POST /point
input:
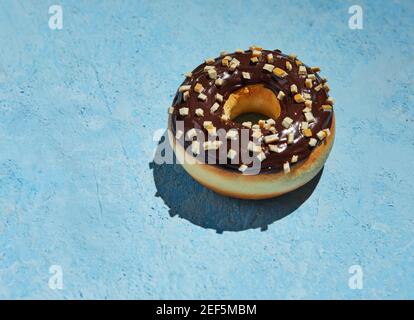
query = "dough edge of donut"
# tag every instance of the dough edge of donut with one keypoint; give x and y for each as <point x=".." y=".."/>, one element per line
<point x="255" y="187"/>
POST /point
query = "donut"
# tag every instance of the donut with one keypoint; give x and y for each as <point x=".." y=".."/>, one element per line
<point x="261" y="159"/>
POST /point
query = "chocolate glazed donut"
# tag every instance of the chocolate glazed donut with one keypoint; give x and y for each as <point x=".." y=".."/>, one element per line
<point x="291" y="145"/>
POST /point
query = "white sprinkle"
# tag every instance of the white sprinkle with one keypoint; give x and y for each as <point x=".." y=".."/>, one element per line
<point x="290" y="137"/>
<point x="247" y="124"/>
<point x="261" y="156"/>
<point x="294" y="159"/>
<point x="184" y="88"/>
<point x="232" y="134"/>
<point x="312" y="142"/>
<point x="304" y="125"/>
<point x="288" y="66"/>
<point x="309" y="117"/>
<point x="219" y="97"/>
<point x="186" y="95"/>
<point x="199" y="112"/>
<point x="219" y="82"/>
<point x="179" y="134"/>
<point x="214" y="107"/>
<point x="231" y="154"/>
<point x="268" y="67"/>
<point x="243" y="168"/>
<point x="251" y="146"/>
<point x="209" y="61"/>
<point x="212" y="73"/>
<point x="246" y="75"/>
<point x="321" y="135"/>
<point x="281" y="95"/>
<point x="212" y="145"/>
<point x="275" y="148"/>
<point x="287" y="122"/>
<point x="170" y="110"/>
<point x="286" y="167"/>
<point x="269" y="58"/>
<point x="302" y="71"/>
<point x="202" y="97"/>
<point x="293" y="88"/>
<point x="191" y="133"/>
<point x="195" y="147"/>
<point x="183" y="111"/>
<point x="271" y="138"/>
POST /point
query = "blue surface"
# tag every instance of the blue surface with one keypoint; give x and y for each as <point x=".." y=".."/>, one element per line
<point x="78" y="111"/>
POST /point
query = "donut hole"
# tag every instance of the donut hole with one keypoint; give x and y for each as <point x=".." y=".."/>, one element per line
<point x="252" y="103"/>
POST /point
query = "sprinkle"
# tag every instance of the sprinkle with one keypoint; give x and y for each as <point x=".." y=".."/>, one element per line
<point x="239" y="51"/>
<point x="293" y="56"/>
<point x="307" y="132"/>
<point x="302" y="71"/>
<point x="308" y="104"/>
<point x="294" y="159"/>
<point x="212" y="131"/>
<point x="232" y="134"/>
<point x="253" y="147"/>
<point x="293" y="88"/>
<point x="269" y="58"/>
<point x="326" y="107"/>
<point x="281" y="95"/>
<point x="225" y="62"/>
<point x="212" y="145"/>
<point x="219" y="97"/>
<point x="273" y="130"/>
<point x="271" y="138"/>
<point x="313" y="142"/>
<point x="254" y="47"/>
<point x="309" y="117"/>
<point x="206" y="68"/>
<point x="207" y="124"/>
<point x="271" y="121"/>
<point x="321" y="135"/>
<point x="307" y="109"/>
<point x="298" y="98"/>
<point x="287" y="122"/>
<point x="199" y="112"/>
<point x="209" y="61"/>
<point x="170" y="110"/>
<point x="327" y="132"/>
<point x="198" y="88"/>
<point x="304" y="125"/>
<point x="257" y="134"/>
<point x="316" y="69"/>
<point x="330" y="101"/>
<point x="223" y="53"/>
<point x="256" y="53"/>
<point x="191" y="133"/>
<point x="212" y="73"/>
<point x="186" y="95"/>
<point x="214" y="107"/>
<point x="184" y="88"/>
<point x="231" y="154"/>
<point x="275" y="148"/>
<point x="290" y="137"/>
<point x="225" y="117"/>
<point x="234" y="63"/>
<point x="261" y="156"/>
<point x="326" y="87"/>
<point x="279" y="72"/>
<point x="254" y="60"/>
<point x="306" y="96"/>
<point x="268" y="67"/>
<point x="262" y="123"/>
<point x="183" y="111"/>
<point x="318" y="87"/>
<point x="243" y="168"/>
<point x="247" y="124"/>
<point x="308" y="83"/>
<point x="286" y="167"/>
<point x="288" y="66"/>
<point x="179" y="134"/>
<point x="311" y="76"/>
<point x="256" y="126"/>
<point x="298" y="63"/>
<point x="195" y="147"/>
<point x="202" y="97"/>
<point x="246" y="75"/>
<point x="219" y="82"/>
<point x="188" y="74"/>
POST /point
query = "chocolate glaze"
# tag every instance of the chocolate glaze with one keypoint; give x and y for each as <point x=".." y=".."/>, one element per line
<point x="232" y="81"/>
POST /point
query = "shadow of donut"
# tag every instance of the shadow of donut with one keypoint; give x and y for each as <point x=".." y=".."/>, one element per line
<point x="189" y="200"/>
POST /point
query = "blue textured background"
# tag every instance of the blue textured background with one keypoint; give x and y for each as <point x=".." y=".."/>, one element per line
<point x="78" y="111"/>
